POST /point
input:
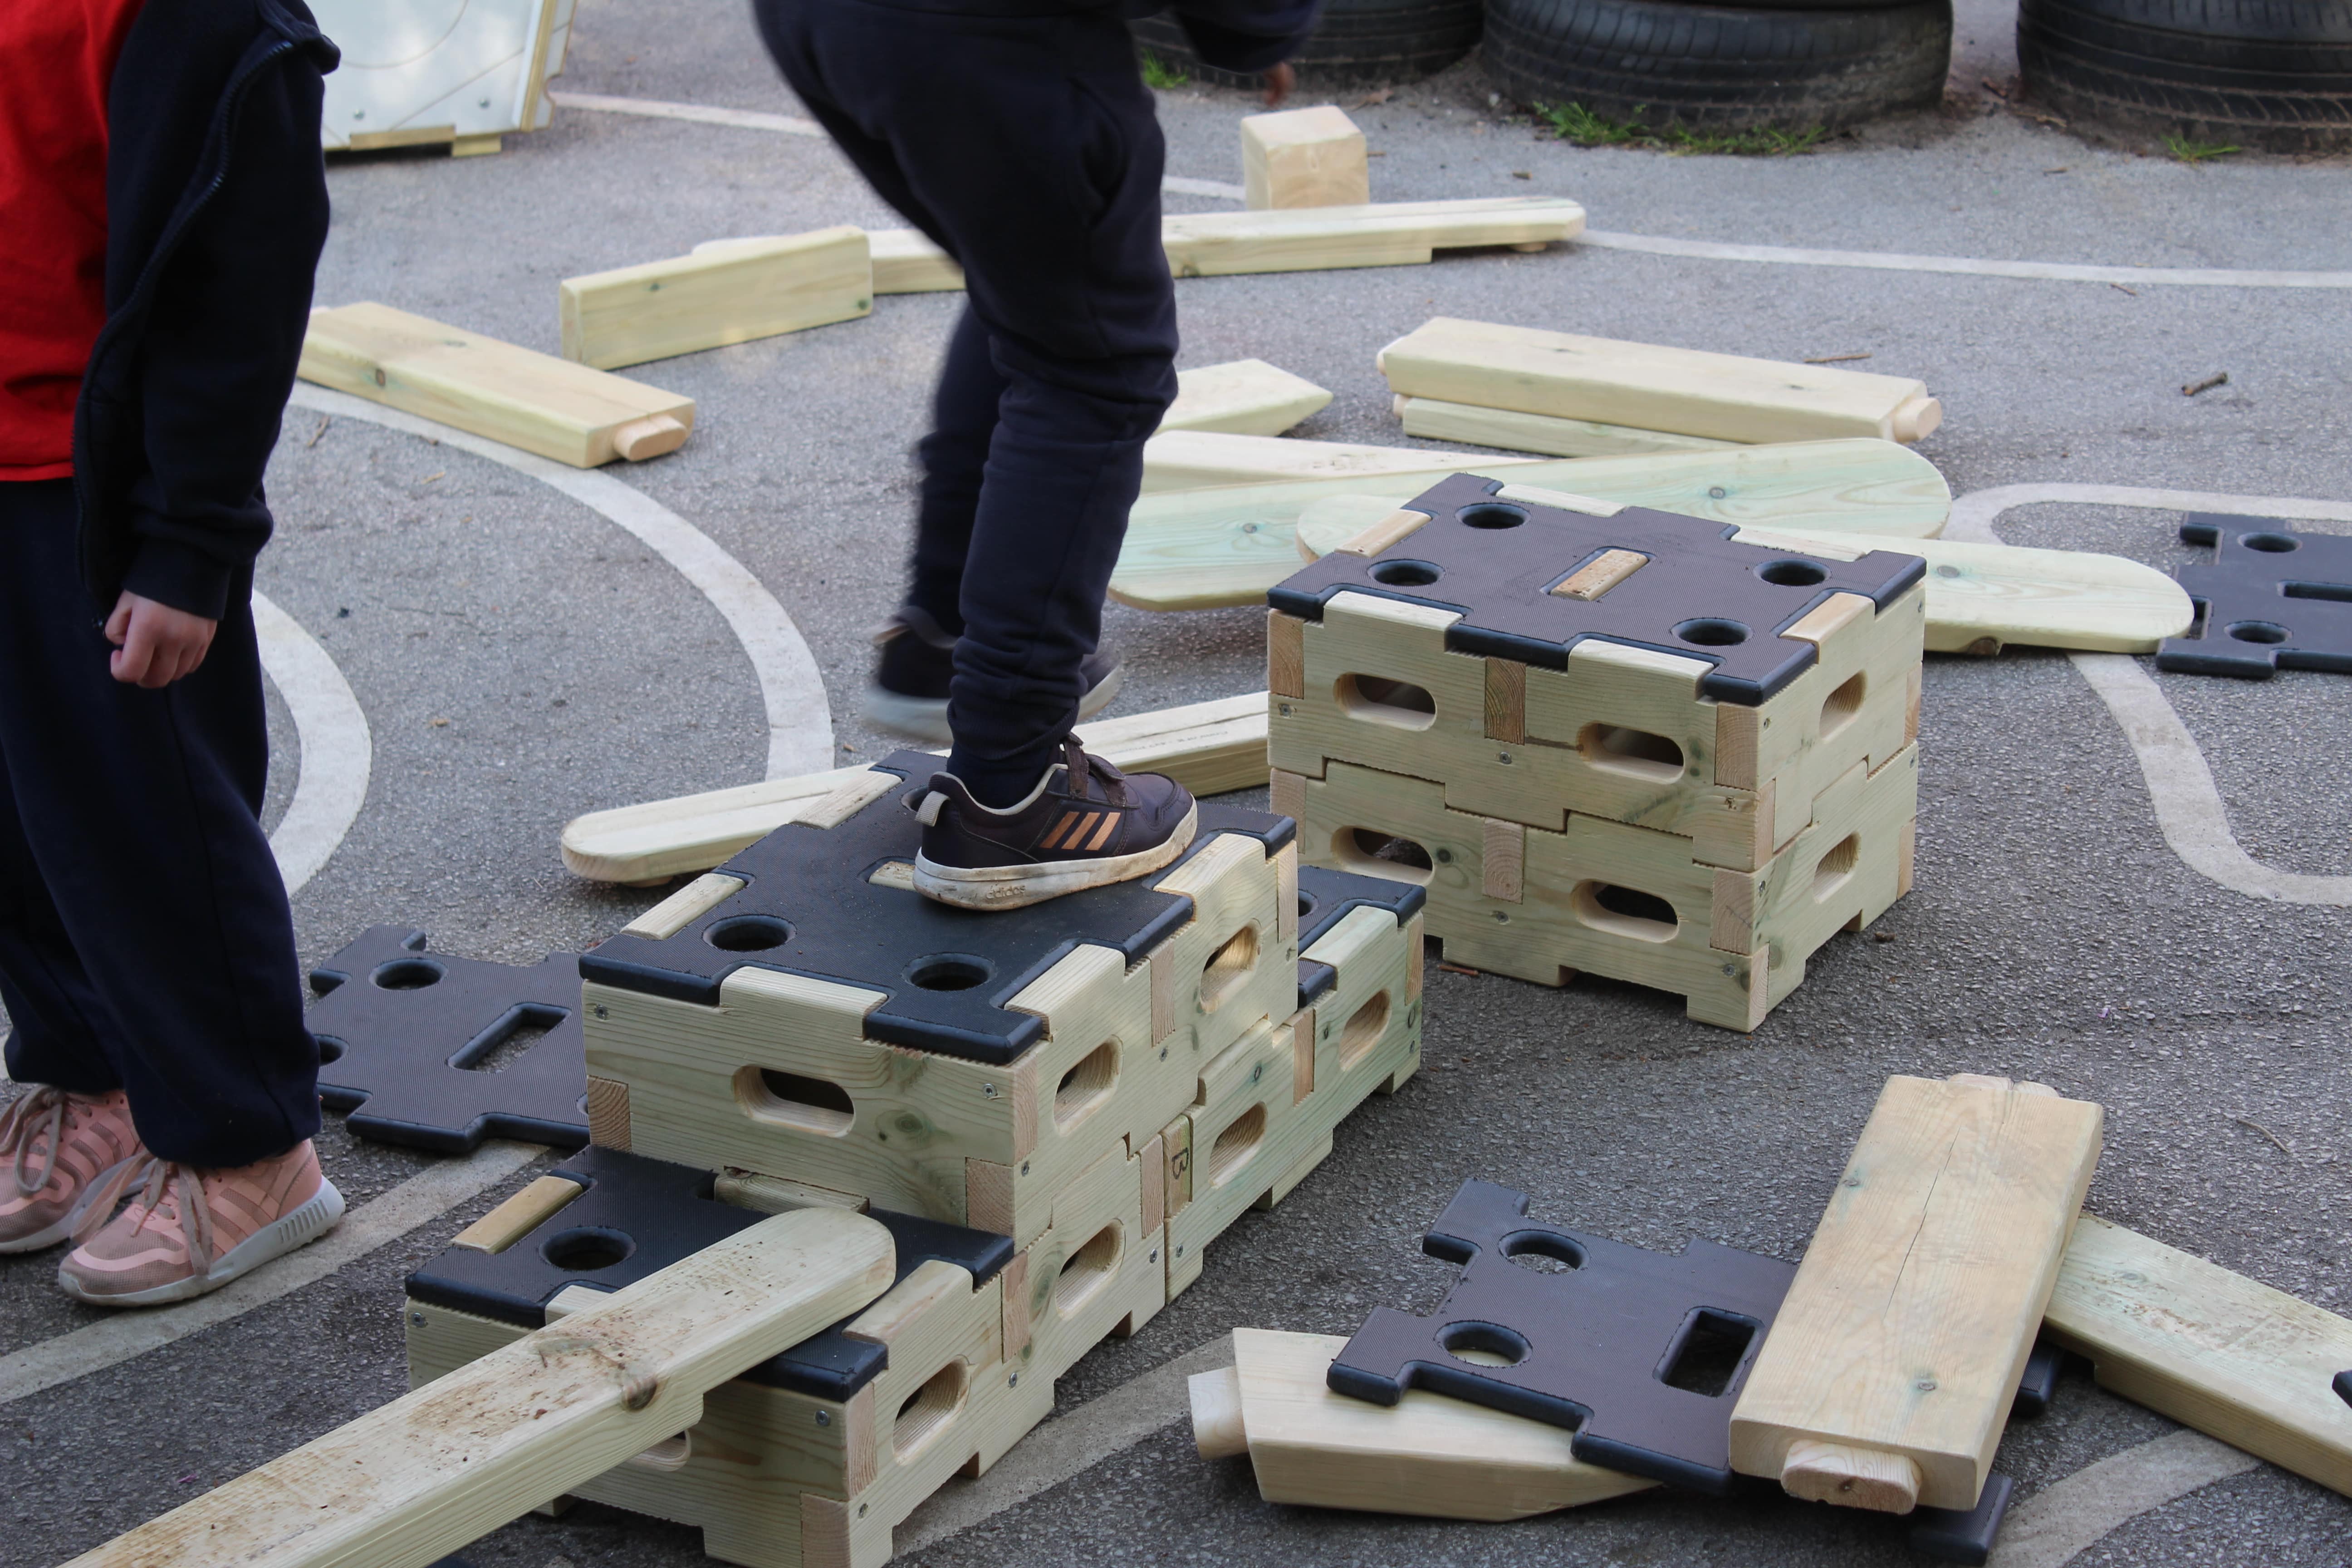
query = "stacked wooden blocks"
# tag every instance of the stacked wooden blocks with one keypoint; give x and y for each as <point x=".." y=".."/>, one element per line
<point x="1062" y="1104"/>
<point x="1604" y="739"/>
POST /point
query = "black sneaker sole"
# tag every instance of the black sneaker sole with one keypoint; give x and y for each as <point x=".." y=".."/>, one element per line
<point x="1018" y="887"/>
<point x="926" y="718"/>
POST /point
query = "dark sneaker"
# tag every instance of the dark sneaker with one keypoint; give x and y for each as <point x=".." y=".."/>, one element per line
<point x="910" y="690"/>
<point x="1086" y="824"/>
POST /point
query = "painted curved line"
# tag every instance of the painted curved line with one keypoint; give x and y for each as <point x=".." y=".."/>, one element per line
<point x="337" y="751"/>
<point x="2043" y="271"/>
<point x="2179" y="782"/>
<point x="800" y="719"/>
<point x="2057" y="1524"/>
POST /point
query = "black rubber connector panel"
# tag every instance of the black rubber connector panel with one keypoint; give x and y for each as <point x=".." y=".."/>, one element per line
<point x="1325" y="898"/>
<point x="2275" y="74"/>
<point x="1722" y="66"/>
<point x="1358" y="43"/>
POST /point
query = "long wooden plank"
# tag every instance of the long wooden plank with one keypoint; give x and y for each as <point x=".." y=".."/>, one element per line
<point x="534" y="401"/>
<point x="1430" y="1455"/>
<point x="1178" y="460"/>
<point x="1208" y="747"/>
<point x="2213" y="1350"/>
<point x="1207" y="549"/>
<point x="732" y="294"/>
<point x="1380" y="234"/>
<point x="1890" y="1369"/>
<point x="1687" y="391"/>
<point x="1433" y="419"/>
<point x="420" y="1477"/>
<point x="1246" y="397"/>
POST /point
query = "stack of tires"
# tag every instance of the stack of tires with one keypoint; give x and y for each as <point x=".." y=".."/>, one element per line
<point x="1793" y="65"/>
<point x="2275" y="74"/>
<point x="1359" y="43"/>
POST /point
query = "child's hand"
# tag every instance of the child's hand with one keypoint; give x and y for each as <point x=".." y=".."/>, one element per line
<point x="1278" y="80"/>
<point x="155" y="643"/>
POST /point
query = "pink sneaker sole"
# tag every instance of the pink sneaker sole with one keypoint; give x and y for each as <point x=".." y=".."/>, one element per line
<point x="295" y="1228"/>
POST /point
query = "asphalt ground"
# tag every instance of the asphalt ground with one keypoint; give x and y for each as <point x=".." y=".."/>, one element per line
<point x="520" y="660"/>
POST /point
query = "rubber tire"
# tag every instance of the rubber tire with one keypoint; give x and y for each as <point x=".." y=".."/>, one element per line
<point x="2275" y="74"/>
<point x="1720" y="66"/>
<point x="1358" y="43"/>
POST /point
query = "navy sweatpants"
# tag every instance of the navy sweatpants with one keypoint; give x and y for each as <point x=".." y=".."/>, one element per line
<point x="1027" y="148"/>
<point x="145" y="944"/>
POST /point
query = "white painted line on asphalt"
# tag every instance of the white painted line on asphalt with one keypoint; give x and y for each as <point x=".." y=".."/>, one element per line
<point x="2058" y="1522"/>
<point x="2179" y="782"/>
<point x="2048" y="271"/>
<point x="800" y="719"/>
<point x="337" y="751"/>
<point x="1064" y="1446"/>
<point x="655" y="109"/>
<point x="1192" y="187"/>
<point x="423" y="1198"/>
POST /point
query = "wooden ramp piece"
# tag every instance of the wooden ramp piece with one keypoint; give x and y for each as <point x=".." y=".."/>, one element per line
<point x="1435" y="420"/>
<point x="2212" y="1349"/>
<point x="728" y="294"/>
<point x="1246" y="397"/>
<point x="1428" y="1455"/>
<point x="420" y="1477"/>
<point x="1891" y="1368"/>
<point x="534" y="401"/>
<point x="1691" y="392"/>
<point x="1201" y="460"/>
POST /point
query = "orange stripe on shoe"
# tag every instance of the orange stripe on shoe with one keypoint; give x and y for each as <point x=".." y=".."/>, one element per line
<point x="1102" y="834"/>
<point x="1057" y="830"/>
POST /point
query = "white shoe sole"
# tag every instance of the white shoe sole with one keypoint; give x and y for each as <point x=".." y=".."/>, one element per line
<point x="1017" y="887"/>
<point x="926" y="718"/>
<point x="288" y="1231"/>
<point x="41" y="1240"/>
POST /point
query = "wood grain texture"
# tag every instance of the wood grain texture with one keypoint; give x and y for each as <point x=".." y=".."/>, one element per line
<point x="2212" y="1349"/>
<point x="1433" y="419"/>
<point x="1304" y="158"/>
<point x="1246" y="397"/>
<point x="1192" y="459"/>
<point x="1901" y="1341"/>
<point x="1098" y="1268"/>
<point x="1380" y="233"/>
<point x="541" y="404"/>
<point x="448" y="1462"/>
<point x="735" y="294"/>
<point x="518" y="1215"/>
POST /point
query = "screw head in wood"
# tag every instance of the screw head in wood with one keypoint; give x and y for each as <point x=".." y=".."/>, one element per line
<point x="989" y="1089"/>
<point x="1024" y="1167"/>
<point x="824" y="1417"/>
<point x="601" y="1010"/>
<point x="416" y="1318"/>
<point x="1285" y="709"/>
<point x="1925" y="1386"/>
<point x="1502" y="756"/>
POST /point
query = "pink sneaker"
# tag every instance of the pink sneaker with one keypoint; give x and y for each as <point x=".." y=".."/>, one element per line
<point x="188" y="1231"/>
<point x="58" y="1148"/>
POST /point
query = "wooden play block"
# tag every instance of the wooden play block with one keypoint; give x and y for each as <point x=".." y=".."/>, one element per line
<point x="1199" y="460"/>
<point x="904" y="260"/>
<point x="529" y="1421"/>
<point x="2213" y="1350"/>
<point x="1208" y="747"/>
<point x="534" y="401"/>
<point x="1247" y="1134"/>
<point x="1890" y="1371"/>
<point x="1098" y="1270"/>
<point x="732" y="294"/>
<point x="1248" y="398"/>
<point x="1304" y="158"/>
<point x="1427" y="1456"/>
<point x="1725" y="397"/>
<point x="1380" y="234"/>
<point x="1218" y="548"/>
<point x="1432" y="419"/>
<point x="462" y="74"/>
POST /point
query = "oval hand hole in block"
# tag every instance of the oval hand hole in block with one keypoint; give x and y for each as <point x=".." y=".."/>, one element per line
<point x="1835" y="869"/>
<point x="1085" y="1086"/>
<point x="1377" y="699"/>
<point x="1363" y="1031"/>
<point x="1636" y="753"/>
<point x="1483" y="1344"/>
<point x="748" y="933"/>
<point x="1627" y="911"/>
<point x="584" y="1250"/>
<point x="1705" y="1353"/>
<point x="2264" y="632"/>
<point x="330" y="1050"/>
<point x="669" y="1454"/>
<point x="1843" y="706"/>
<point x="1378" y="853"/>
<point x="1085" y="1271"/>
<point x="925" y="1413"/>
<point x="2271" y="544"/>
<point x="1236" y="1145"/>
<point x="1229" y="968"/>
<point x="1712" y="631"/>
<point x="406" y="975"/>
<point x="1542" y="1253"/>
<point x="789" y="1100"/>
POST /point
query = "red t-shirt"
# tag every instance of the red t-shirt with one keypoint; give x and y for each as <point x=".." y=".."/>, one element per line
<point x="57" y="58"/>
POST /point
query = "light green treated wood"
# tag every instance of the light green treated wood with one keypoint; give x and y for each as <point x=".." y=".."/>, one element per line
<point x="1210" y="549"/>
<point x="1246" y="397"/>
<point x="1433" y="419"/>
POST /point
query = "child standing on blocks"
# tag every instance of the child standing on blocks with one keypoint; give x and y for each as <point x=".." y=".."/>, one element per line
<point x="162" y="204"/>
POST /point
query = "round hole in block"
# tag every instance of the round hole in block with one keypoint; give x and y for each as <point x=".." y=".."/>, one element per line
<point x="1363" y="1030"/>
<point x="330" y="1050"/>
<point x="587" y="1249"/>
<point x="1087" y="1085"/>
<point x="1492" y="514"/>
<point x="748" y="933"/>
<point x="1406" y="574"/>
<point x="1375" y="854"/>
<point x="1540" y="1252"/>
<point x="2271" y="544"/>
<point x="1483" y="1344"/>
<point x="1626" y="912"/>
<point x="948" y="971"/>
<point x="1636" y="753"/>
<point x="1835" y="869"/>
<point x="1843" y="706"/>
<point x="1792" y="574"/>
<point x="1087" y="1270"/>
<point x="406" y="975"/>
<point x="923" y="1414"/>
<point x="1377" y="699"/>
<point x="790" y="1099"/>
<point x="2266" y="632"/>
<point x="1712" y="631"/>
<point x="1236" y="1145"/>
<point x="1229" y="968"/>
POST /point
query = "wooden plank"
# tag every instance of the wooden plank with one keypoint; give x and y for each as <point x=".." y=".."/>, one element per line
<point x="534" y="401"/>
<point x="1688" y="392"/>
<point x="1208" y="747"/>
<point x="1304" y="158"/>
<point x="453" y="1460"/>
<point x="518" y="1215"/>
<point x="1604" y="571"/>
<point x="1202" y="460"/>
<point x="1428" y="1456"/>
<point x="2212" y="1349"/>
<point x="1380" y="233"/>
<point x="1246" y="397"/>
<point x="1215" y="548"/>
<point x="1890" y="1370"/>
<point x="1433" y="419"/>
<point x="907" y="262"/>
<point x="658" y="310"/>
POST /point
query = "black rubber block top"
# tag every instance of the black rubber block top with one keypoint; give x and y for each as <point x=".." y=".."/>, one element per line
<point x="400" y="1031"/>
<point x="1701" y="594"/>
<point x="1325" y="897"/>
<point x="810" y="908"/>
<point x="640" y="1215"/>
<point x="2269" y="600"/>
<point x="1641" y="1353"/>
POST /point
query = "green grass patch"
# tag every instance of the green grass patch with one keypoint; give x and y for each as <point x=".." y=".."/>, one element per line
<point x="1159" y="73"/>
<point x="1574" y="122"/>
<point x="2185" y="151"/>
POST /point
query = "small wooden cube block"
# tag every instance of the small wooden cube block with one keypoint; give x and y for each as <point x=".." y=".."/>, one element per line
<point x="1304" y="158"/>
